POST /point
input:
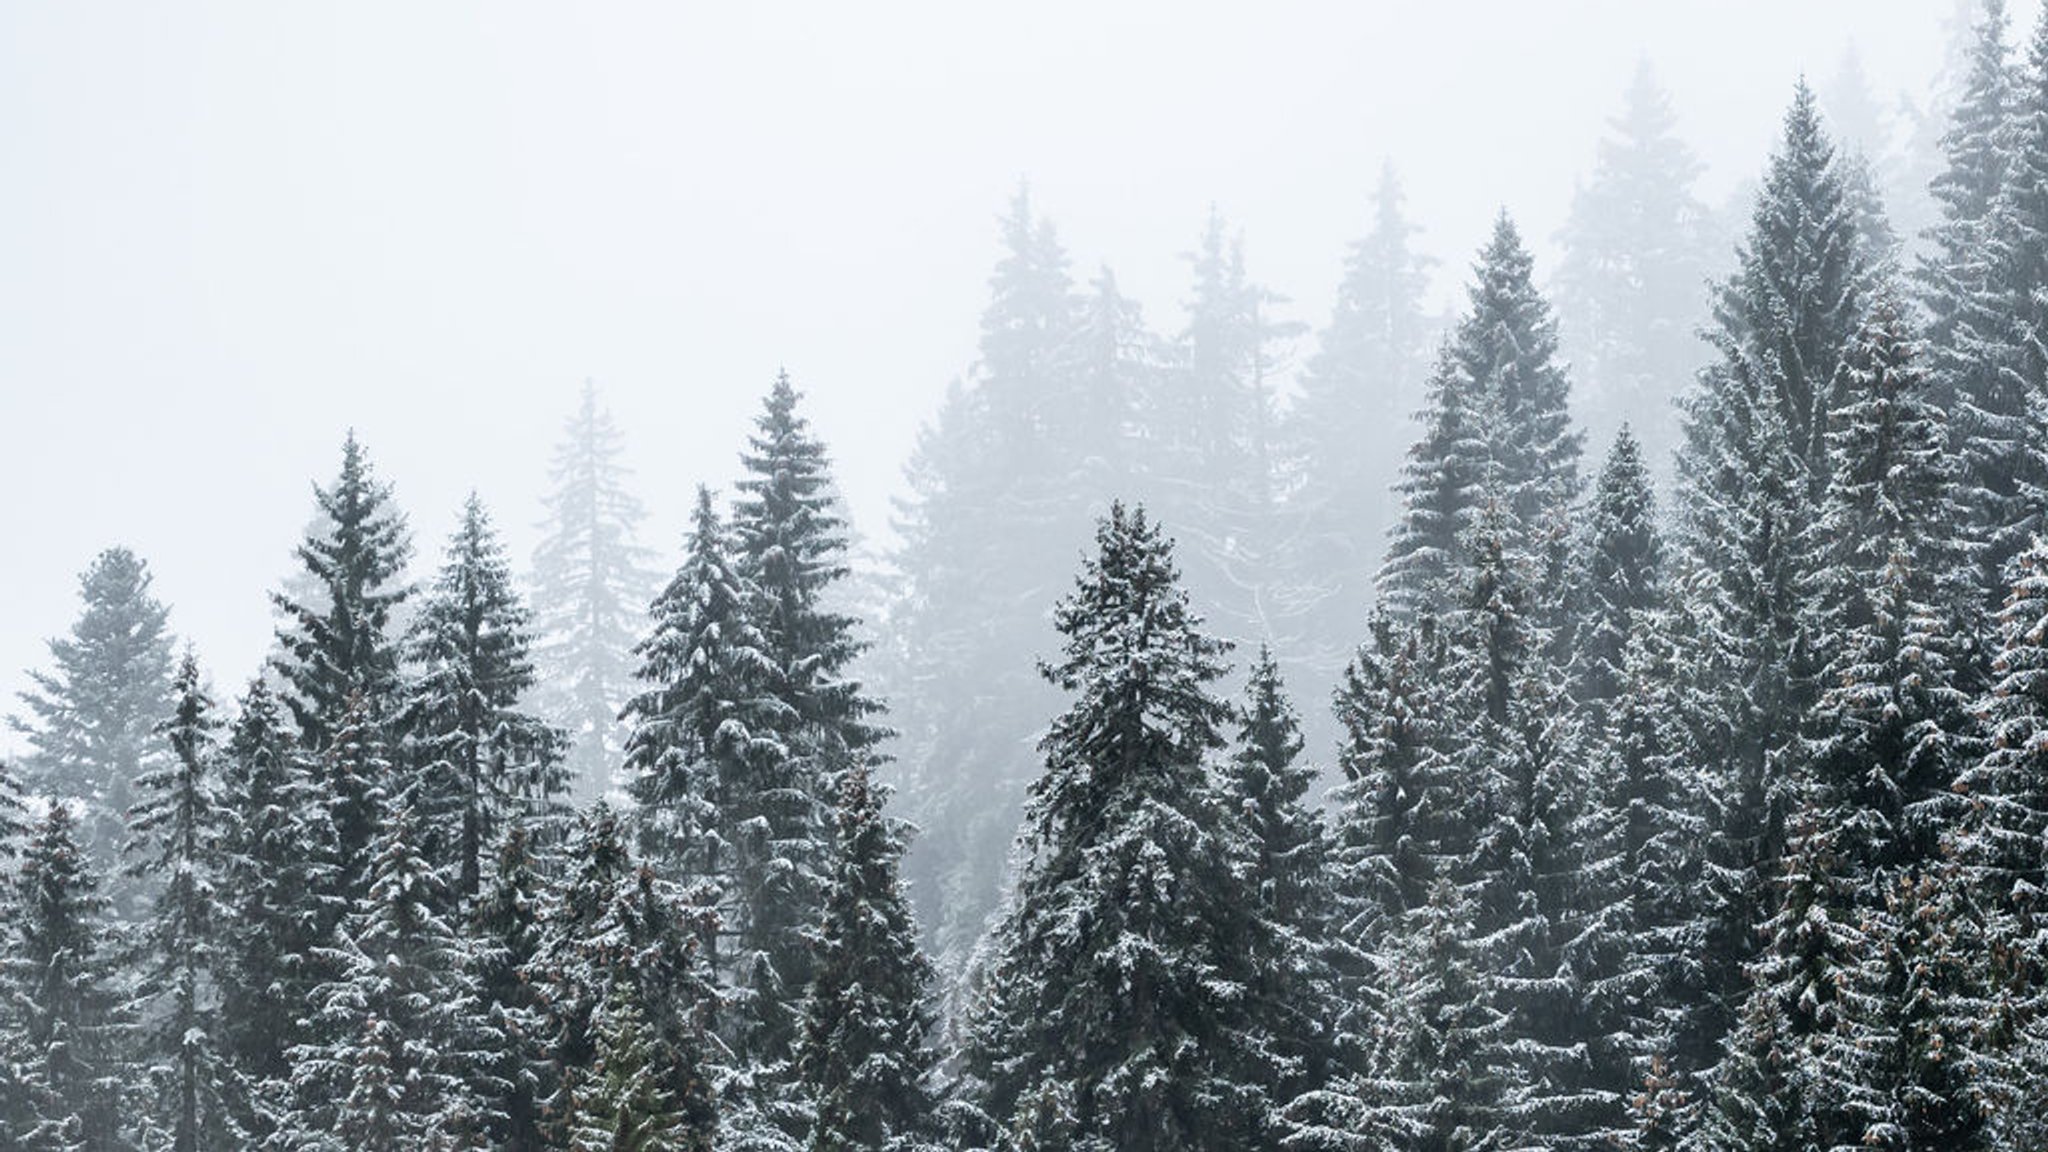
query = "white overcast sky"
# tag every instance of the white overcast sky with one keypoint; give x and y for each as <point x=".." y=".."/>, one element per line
<point x="230" y="231"/>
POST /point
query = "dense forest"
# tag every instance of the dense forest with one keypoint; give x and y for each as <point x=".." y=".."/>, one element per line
<point x="1220" y="759"/>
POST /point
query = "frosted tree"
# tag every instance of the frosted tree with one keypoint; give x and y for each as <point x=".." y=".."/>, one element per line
<point x="178" y="832"/>
<point x="1498" y="425"/>
<point x="480" y="762"/>
<point x="1286" y="851"/>
<point x="1352" y="420"/>
<point x="612" y="922"/>
<point x="997" y="503"/>
<point x="1628" y="286"/>
<point x="789" y="545"/>
<point x="504" y="938"/>
<point x="865" y="1057"/>
<point x="277" y="877"/>
<point x="62" y="1006"/>
<point x="627" y="1108"/>
<point x="1615" y="578"/>
<point x="391" y="1035"/>
<point x="591" y="582"/>
<point x="336" y="641"/>
<point x="92" y="715"/>
<point x="1122" y="983"/>
<point x="1208" y="461"/>
<point x="1752" y="473"/>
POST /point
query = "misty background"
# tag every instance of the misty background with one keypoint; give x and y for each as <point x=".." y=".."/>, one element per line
<point x="230" y="232"/>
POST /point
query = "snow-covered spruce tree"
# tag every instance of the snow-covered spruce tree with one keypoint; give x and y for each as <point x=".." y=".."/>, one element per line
<point x="392" y="1036"/>
<point x="590" y="581"/>
<point x="92" y="716"/>
<point x="1752" y="471"/>
<point x="69" y="1031"/>
<point x="1996" y="841"/>
<point x="1988" y="318"/>
<point x="1207" y="461"/>
<point x="1446" y="476"/>
<point x="336" y="641"/>
<point x="1351" y="422"/>
<point x="865" y="1058"/>
<point x="1615" y="575"/>
<point x="1628" y="286"/>
<point x="1519" y="764"/>
<point x="1644" y="834"/>
<point x="1000" y="498"/>
<point x="354" y="776"/>
<point x="179" y="827"/>
<point x="1498" y="423"/>
<point x="504" y="937"/>
<point x="277" y="869"/>
<point x="478" y="761"/>
<point x="789" y="545"/>
<point x="1125" y="975"/>
<point x="1888" y="732"/>
<point x="626" y="1107"/>
<point x="707" y="748"/>
<point x="610" y="922"/>
<point x="1286" y="854"/>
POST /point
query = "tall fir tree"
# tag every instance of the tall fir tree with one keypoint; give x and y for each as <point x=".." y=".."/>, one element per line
<point x="1628" y="285"/>
<point x="62" y="1001"/>
<point x="789" y="545"/>
<point x="866" y="1058"/>
<point x="479" y="760"/>
<point x="178" y="830"/>
<point x="1119" y="1010"/>
<point x="612" y="922"/>
<point x="1616" y="575"/>
<point x="391" y="1034"/>
<point x="92" y="716"/>
<point x="335" y="639"/>
<point x="1350" y="423"/>
<point x="1498" y="426"/>
<point x="590" y="579"/>
<point x="1752" y="472"/>
<point x="998" y="500"/>
<point x="277" y="882"/>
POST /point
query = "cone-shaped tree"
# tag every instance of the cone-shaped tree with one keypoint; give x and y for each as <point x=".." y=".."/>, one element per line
<point x="1122" y="974"/>
<point x="178" y="830"/>
<point x="865" y="1057"/>
<point x="479" y="761"/>
<point x="590" y="581"/>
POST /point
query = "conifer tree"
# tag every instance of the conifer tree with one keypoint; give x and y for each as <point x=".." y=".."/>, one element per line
<point x="92" y="716"/>
<point x="590" y="579"/>
<point x="627" y="1108"/>
<point x="335" y="640"/>
<point x="865" y="1057"/>
<point x="354" y="776"/>
<point x="998" y="500"/>
<point x="1616" y="575"/>
<point x="504" y="938"/>
<point x="1752" y="472"/>
<point x="613" y="922"/>
<point x="61" y="1001"/>
<point x="1995" y="841"/>
<point x="1209" y="468"/>
<point x="708" y="742"/>
<point x="1286" y="853"/>
<point x="1498" y="426"/>
<point x="179" y="827"/>
<point x="1352" y="421"/>
<point x="391" y="1034"/>
<point x="789" y="546"/>
<point x="481" y="761"/>
<point x="1628" y="286"/>
<point x="277" y="874"/>
<point x="1121" y="975"/>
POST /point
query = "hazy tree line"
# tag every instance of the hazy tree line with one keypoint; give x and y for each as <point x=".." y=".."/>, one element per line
<point x="1711" y="821"/>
